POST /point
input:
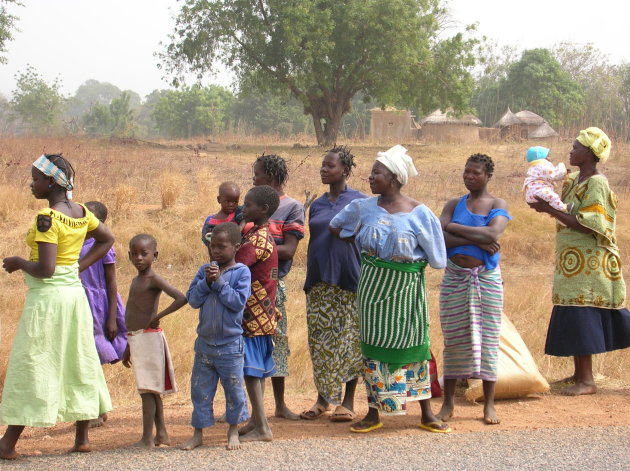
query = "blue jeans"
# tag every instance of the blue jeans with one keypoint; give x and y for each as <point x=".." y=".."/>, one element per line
<point x="224" y="362"/>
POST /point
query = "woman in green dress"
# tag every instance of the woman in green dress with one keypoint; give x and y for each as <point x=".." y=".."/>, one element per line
<point x="589" y="292"/>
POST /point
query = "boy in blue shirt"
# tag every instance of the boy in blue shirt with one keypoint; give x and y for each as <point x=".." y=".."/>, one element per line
<point x="220" y="290"/>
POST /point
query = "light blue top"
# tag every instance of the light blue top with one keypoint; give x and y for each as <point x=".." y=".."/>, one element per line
<point x="463" y="216"/>
<point x="400" y="237"/>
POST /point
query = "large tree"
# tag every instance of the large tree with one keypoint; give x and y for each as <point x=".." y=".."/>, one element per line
<point x="325" y="52"/>
<point x="7" y="26"/>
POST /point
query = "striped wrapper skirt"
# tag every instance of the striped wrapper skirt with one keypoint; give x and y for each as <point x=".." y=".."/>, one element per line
<point x="471" y="302"/>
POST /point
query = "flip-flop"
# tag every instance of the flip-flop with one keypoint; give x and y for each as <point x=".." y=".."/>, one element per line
<point x="434" y="427"/>
<point x="314" y="412"/>
<point x="368" y="429"/>
<point x="342" y="414"/>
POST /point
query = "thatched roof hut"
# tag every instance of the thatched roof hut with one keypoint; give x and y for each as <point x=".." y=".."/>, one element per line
<point x="529" y="118"/>
<point x="441" y="127"/>
<point x="544" y="131"/>
<point x="518" y="125"/>
<point x="508" y="119"/>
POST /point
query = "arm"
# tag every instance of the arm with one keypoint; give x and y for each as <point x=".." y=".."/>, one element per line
<point x="179" y="300"/>
<point x="198" y="290"/>
<point x="111" y="327"/>
<point x="43" y="268"/>
<point x="450" y="239"/>
<point x="336" y="231"/>
<point x="485" y="234"/>
<point x="234" y="298"/>
<point x="103" y="240"/>
<point x="568" y="220"/>
<point x="287" y="250"/>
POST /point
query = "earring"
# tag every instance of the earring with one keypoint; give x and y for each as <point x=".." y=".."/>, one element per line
<point x="49" y="185"/>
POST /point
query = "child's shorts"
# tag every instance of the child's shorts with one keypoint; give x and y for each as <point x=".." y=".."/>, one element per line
<point x="151" y="361"/>
<point x="258" y="356"/>
<point x="224" y="362"/>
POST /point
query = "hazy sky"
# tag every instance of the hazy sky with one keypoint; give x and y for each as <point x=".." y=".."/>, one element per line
<point x="114" y="40"/>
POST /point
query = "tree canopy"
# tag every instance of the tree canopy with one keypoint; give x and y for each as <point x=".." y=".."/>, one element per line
<point x="325" y="52"/>
<point x="7" y="26"/>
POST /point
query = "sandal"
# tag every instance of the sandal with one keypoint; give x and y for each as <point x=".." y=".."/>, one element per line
<point x="342" y="414"/>
<point x="314" y="412"/>
<point x="375" y="426"/>
<point x="436" y="427"/>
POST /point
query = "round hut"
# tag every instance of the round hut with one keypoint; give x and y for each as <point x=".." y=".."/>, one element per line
<point x="544" y="132"/>
<point x="446" y="127"/>
<point x="508" y="125"/>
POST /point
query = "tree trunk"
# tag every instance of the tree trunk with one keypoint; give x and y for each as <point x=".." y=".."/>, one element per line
<point x="327" y="131"/>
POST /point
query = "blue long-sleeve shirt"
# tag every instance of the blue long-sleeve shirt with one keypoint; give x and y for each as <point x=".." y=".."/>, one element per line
<point x="220" y="304"/>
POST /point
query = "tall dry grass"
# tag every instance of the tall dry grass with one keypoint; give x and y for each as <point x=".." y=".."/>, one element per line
<point x="168" y="191"/>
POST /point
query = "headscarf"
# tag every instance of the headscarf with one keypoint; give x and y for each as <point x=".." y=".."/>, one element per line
<point x="398" y="162"/>
<point x="44" y="165"/>
<point x="596" y="140"/>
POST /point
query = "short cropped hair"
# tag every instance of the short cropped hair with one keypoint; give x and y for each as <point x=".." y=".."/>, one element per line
<point x="231" y="229"/>
<point x="98" y="208"/>
<point x="228" y="186"/>
<point x="485" y="160"/>
<point x="264" y="194"/>
<point x="148" y="238"/>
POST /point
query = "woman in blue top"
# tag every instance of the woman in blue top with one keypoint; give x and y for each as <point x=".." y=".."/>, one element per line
<point x="397" y="237"/>
<point x="332" y="276"/>
<point x="471" y="293"/>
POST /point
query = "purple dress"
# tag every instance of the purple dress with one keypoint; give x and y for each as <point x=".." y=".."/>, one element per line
<point x="93" y="279"/>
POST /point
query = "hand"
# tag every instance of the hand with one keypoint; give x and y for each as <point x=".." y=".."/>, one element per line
<point x="11" y="264"/>
<point x="212" y="273"/>
<point x="491" y="248"/>
<point x="541" y="206"/>
<point x="154" y="323"/>
<point x="111" y="328"/>
<point x="126" y="360"/>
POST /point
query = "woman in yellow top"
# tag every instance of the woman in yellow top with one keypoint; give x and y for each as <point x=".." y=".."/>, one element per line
<point x="54" y="373"/>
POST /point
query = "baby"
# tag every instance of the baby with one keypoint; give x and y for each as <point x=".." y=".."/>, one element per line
<point x="540" y="177"/>
<point x="228" y="198"/>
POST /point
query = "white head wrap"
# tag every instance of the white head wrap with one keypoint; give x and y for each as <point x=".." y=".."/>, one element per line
<point x="398" y="162"/>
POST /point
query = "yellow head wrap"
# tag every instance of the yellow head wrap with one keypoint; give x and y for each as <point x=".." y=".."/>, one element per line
<point x="596" y="140"/>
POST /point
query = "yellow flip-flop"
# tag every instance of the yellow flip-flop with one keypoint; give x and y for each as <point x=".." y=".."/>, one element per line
<point x="431" y="427"/>
<point x="366" y="430"/>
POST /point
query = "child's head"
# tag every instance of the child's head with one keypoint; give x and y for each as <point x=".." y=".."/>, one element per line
<point x="225" y="242"/>
<point x="260" y="203"/>
<point x="536" y="153"/>
<point x="270" y="169"/>
<point x="98" y="209"/>
<point x="142" y="251"/>
<point x="229" y="196"/>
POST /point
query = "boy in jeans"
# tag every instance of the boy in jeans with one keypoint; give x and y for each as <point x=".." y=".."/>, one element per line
<point x="220" y="290"/>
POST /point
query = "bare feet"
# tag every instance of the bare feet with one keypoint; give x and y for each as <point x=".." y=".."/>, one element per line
<point x="284" y="413"/>
<point x="257" y="436"/>
<point x="567" y="380"/>
<point x="94" y="423"/>
<point x="490" y="416"/>
<point x="248" y="427"/>
<point x="162" y="439"/>
<point x="144" y="443"/>
<point x="579" y="389"/>
<point x="8" y="454"/>
<point x="194" y="441"/>
<point x="446" y="412"/>
<point x="83" y="447"/>
<point x="233" y="441"/>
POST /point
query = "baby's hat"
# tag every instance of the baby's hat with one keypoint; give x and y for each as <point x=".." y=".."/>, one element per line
<point x="536" y="153"/>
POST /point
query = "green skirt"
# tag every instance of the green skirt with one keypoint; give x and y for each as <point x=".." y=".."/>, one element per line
<point x="54" y="373"/>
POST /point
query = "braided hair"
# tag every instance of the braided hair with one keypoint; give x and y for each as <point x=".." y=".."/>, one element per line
<point x="485" y="160"/>
<point x="62" y="163"/>
<point x="345" y="157"/>
<point x="274" y="166"/>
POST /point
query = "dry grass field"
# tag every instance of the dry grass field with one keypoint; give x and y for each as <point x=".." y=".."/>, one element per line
<point x="168" y="190"/>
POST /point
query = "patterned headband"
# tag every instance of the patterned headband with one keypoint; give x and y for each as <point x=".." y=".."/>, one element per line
<point x="44" y="165"/>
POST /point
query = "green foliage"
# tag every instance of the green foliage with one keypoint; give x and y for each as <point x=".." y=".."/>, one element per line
<point x="117" y="118"/>
<point x="7" y="26"/>
<point x="36" y="102"/>
<point x="91" y="93"/>
<point x="192" y="111"/>
<point x="325" y="52"/>
<point x="536" y="83"/>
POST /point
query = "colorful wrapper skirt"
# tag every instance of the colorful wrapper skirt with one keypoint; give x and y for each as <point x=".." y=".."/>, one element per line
<point x="333" y="339"/>
<point x="54" y="373"/>
<point x="471" y="302"/>
<point x="281" y="350"/>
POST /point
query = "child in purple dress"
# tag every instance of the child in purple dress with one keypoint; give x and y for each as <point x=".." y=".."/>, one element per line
<point x="108" y="310"/>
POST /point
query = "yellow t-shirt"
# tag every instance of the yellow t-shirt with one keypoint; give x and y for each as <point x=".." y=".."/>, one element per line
<point x="67" y="233"/>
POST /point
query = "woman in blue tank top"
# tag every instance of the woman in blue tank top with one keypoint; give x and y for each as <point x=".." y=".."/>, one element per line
<point x="471" y="293"/>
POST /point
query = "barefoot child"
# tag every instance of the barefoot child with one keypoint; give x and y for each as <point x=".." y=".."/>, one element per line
<point x="147" y="350"/>
<point x="220" y="290"/>
<point x="259" y="253"/>
<point x="108" y="310"/>
<point x="228" y="198"/>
